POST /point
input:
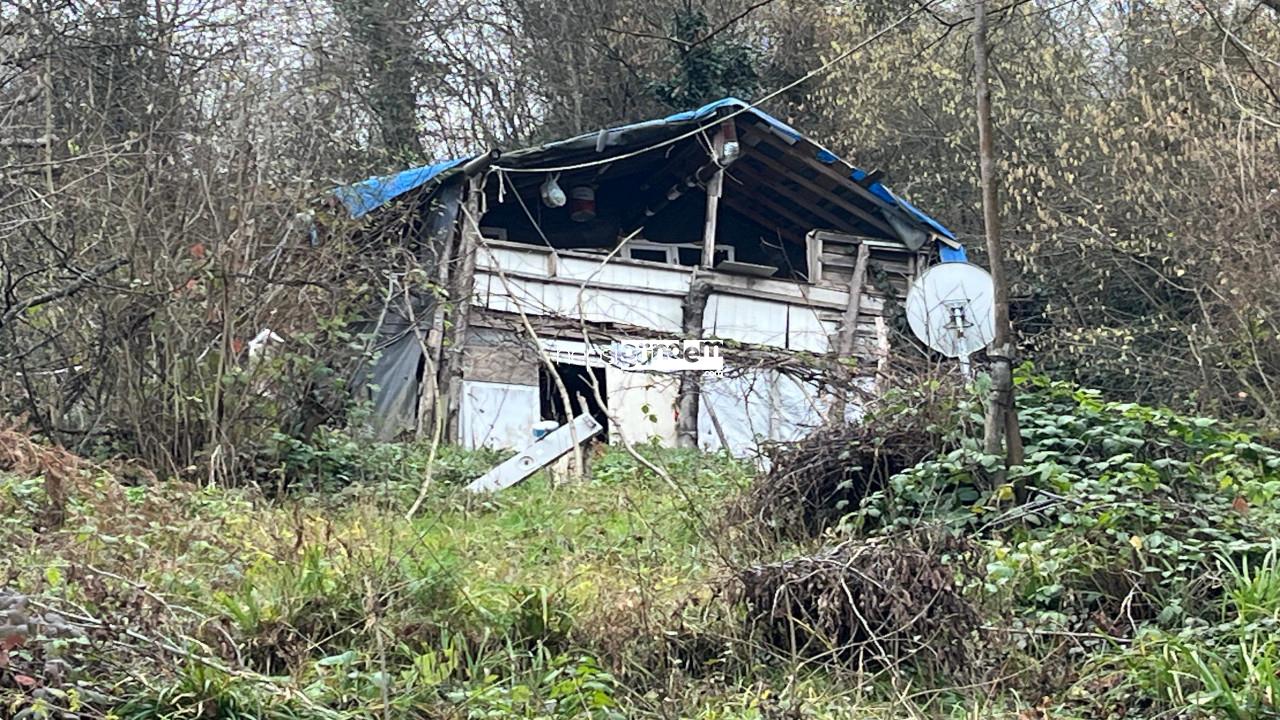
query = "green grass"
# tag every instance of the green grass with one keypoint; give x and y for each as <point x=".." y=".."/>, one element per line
<point x="475" y="606"/>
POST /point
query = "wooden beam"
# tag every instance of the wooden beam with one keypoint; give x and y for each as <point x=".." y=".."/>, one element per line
<point x="683" y="184"/>
<point x="764" y="192"/>
<point x="842" y="180"/>
<point x="714" y="186"/>
<point x="813" y="256"/>
<point x="796" y="173"/>
<point x="753" y="214"/>
<point x="462" y="291"/>
<point x="679" y="159"/>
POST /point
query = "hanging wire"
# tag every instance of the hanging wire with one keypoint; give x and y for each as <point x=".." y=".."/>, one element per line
<point x="749" y="106"/>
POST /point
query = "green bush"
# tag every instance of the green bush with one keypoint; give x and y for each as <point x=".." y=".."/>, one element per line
<point x="1142" y="525"/>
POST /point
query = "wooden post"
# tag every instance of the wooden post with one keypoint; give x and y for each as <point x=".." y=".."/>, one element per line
<point x="1001" y="433"/>
<point x="849" y="327"/>
<point x="429" y="391"/>
<point x="440" y="396"/>
<point x="460" y="295"/>
<point x="695" y="308"/>
<point x="714" y="186"/>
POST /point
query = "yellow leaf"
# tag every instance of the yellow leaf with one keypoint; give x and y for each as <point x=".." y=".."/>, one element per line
<point x="1136" y="542"/>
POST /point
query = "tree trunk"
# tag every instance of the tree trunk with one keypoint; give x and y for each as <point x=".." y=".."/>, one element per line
<point x="695" y="308"/>
<point x="1001" y="434"/>
<point x="845" y="340"/>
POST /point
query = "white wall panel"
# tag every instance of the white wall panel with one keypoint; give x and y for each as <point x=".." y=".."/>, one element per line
<point x="749" y="320"/>
<point x="646" y="277"/>
<point x="806" y="330"/>
<point x="535" y="262"/>
<point x="596" y="305"/>
<point x="498" y="415"/>
<point x="754" y="407"/>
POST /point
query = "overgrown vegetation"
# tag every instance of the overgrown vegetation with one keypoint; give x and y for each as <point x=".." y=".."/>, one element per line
<point x="1141" y="578"/>
<point x="187" y="535"/>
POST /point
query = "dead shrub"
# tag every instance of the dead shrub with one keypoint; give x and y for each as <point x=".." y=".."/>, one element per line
<point x="881" y="602"/>
<point x="21" y="454"/>
<point x="814" y="482"/>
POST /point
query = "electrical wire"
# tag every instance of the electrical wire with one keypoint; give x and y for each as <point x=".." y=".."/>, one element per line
<point x="749" y="106"/>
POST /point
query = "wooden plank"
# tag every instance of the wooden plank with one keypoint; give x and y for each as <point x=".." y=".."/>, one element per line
<point x="760" y="293"/>
<point x="881" y="264"/>
<point x="796" y="174"/>
<point x="841" y="239"/>
<point x="714" y="186"/>
<point x="542" y="453"/>
<point x="813" y="256"/>
<point x="844" y="341"/>
<point x="764" y="191"/>
<point x="743" y="208"/>
<point x="823" y="169"/>
<point x="430" y="406"/>
<point x="844" y="346"/>
<point x="462" y="297"/>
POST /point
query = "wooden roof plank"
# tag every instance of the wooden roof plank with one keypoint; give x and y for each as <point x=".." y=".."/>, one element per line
<point x="754" y="139"/>
<point x="743" y="208"/>
<point x="763" y="190"/>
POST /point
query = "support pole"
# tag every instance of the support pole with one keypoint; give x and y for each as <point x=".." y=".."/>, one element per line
<point x="714" y="187"/>
<point x="429" y="392"/>
<point x="461" y="291"/>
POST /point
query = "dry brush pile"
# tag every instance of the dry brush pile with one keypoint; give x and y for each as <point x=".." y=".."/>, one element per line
<point x="869" y="603"/>
<point x="812" y="483"/>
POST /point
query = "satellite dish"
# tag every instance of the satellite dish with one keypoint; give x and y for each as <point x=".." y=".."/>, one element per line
<point x="950" y="308"/>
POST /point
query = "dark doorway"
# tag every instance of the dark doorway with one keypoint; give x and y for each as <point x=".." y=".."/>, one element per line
<point x="578" y="381"/>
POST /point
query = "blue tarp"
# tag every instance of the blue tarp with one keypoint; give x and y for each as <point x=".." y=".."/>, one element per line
<point x="363" y="197"/>
<point x="368" y="195"/>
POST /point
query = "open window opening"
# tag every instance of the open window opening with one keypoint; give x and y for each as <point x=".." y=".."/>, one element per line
<point x="578" y="381"/>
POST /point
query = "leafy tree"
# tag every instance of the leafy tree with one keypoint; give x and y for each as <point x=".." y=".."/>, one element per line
<point x="708" y="66"/>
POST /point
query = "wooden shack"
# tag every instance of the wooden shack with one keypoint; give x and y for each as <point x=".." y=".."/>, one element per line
<point x="721" y="223"/>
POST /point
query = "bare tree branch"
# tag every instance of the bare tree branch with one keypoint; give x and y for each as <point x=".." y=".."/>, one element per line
<point x="83" y="280"/>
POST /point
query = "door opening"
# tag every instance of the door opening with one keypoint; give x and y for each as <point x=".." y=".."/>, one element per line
<point x="578" y="381"/>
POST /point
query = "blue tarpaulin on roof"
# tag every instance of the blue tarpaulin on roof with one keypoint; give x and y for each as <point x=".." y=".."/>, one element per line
<point x="368" y="195"/>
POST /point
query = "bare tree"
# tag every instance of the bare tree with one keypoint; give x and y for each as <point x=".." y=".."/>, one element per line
<point x="1001" y="434"/>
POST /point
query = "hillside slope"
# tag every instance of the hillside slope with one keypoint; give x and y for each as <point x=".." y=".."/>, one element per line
<point x="1140" y="579"/>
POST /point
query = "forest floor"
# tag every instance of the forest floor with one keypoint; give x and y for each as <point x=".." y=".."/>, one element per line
<point x="1141" y="580"/>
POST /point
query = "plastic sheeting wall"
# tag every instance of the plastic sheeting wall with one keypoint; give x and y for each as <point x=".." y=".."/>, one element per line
<point x="392" y="381"/>
<point x="754" y="406"/>
<point x="642" y="406"/>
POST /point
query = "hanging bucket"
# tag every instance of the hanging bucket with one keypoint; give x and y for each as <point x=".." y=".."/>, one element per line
<point x="582" y="203"/>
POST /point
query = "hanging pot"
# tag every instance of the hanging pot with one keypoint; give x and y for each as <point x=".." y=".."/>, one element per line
<point x="582" y="203"/>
